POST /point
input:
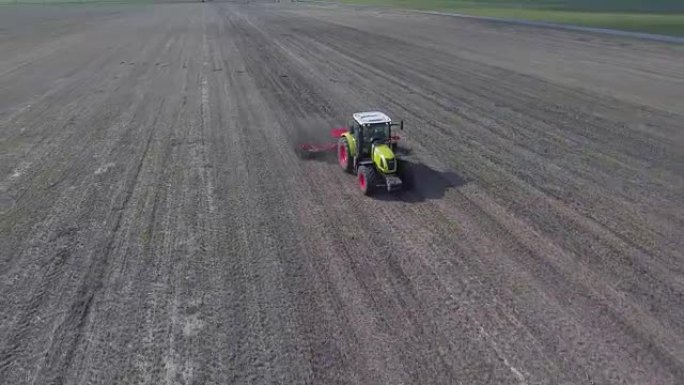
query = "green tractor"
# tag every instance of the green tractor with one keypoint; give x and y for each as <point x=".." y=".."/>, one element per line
<point x="369" y="150"/>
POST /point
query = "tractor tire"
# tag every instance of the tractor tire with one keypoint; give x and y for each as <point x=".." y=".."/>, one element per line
<point x="406" y="173"/>
<point x="368" y="178"/>
<point x="344" y="158"/>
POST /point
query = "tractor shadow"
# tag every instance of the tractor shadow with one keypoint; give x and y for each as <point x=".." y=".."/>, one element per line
<point x="428" y="184"/>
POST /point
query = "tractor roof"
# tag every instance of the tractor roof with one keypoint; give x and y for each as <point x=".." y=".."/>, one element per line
<point x="371" y="117"/>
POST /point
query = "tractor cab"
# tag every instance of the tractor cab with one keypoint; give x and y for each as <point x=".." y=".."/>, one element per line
<point x="369" y="129"/>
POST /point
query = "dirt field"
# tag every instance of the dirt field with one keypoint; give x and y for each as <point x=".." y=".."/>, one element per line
<point x="156" y="225"/>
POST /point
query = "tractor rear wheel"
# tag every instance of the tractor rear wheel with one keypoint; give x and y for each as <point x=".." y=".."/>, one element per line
<point x="344" y="157"/>
<point x="367" y="179"/>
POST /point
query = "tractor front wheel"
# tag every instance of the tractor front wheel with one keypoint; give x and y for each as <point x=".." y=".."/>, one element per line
<point x="344" y="158"/>
<point x="367" y="179"/>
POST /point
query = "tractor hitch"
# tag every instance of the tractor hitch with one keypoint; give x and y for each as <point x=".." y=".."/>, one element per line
<point x="393" y="183"/>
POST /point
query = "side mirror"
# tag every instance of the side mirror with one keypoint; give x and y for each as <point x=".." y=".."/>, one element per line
<point x="401" y="125"/>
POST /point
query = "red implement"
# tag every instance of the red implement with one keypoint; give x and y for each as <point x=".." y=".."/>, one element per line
<point x="337" y="132"/>
<point x="310" y="147"/>
<point x="313" y="148"/>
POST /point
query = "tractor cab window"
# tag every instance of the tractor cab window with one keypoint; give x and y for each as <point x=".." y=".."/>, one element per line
<point x="377" y="132"/>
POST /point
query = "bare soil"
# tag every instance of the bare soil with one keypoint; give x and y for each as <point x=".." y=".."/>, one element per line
<point x="157" y="226"/>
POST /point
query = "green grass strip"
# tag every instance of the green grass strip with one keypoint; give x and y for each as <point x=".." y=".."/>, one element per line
<point x="562" y="12"/>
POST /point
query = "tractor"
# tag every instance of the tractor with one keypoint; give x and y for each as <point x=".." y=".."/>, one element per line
<point x="369" y="150"/>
